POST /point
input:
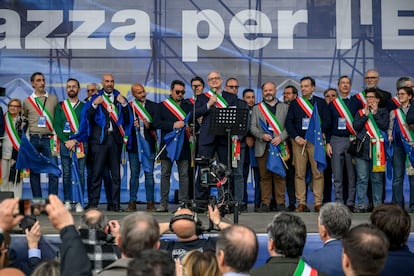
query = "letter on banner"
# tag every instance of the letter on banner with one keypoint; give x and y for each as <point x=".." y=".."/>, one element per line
<point x="10" y="29"/>
<point x="191" y="39"/>
<point x="286" y="23"/>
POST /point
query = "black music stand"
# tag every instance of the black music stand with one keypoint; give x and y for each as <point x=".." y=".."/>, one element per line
<point x="229" y="121"/>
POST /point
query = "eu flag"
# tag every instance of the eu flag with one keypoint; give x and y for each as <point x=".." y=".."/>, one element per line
<point x="77" y="193"/>
<point x="30" y="158"/>
<point x="274" y="161"/>
<point x="174" y="141"/>
<point x="144" y="152"/>
<point x="314" y="136"/>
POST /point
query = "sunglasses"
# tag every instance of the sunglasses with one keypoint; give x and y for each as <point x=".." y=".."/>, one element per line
<point x="233" y="86"/>
<point x="178" y="92"/>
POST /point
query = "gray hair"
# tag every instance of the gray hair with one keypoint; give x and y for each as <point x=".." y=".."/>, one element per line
<point x="401" y="82"/>
<point x="336" y="218"/>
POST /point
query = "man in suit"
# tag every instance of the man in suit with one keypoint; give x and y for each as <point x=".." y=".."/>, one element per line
<point x="297" y="123"/>
<point x="208" y="143"/>
<point x="144" y="112"/>
<point x="273" y="113"/>
<point x="334" y="221"/>
<point x="108" y="114"/>
<point x="372" y="79"/>
<point x="170" y="116"/>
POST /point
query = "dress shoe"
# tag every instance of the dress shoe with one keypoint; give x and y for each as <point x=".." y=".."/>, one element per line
<point x="150" y="206"/>
<point x="90" y="206"/>
<point x="110" y="207"/>
<point x="264" y="208"/>
<point x="317" y="208"/>
<point x="302" y="208"/>
<point x="291" y="208"/>
<point x="351" y="208"/>
<point x="132" y="206"/>
<point x="161" y="209"/>
<point x="117" y="208"/>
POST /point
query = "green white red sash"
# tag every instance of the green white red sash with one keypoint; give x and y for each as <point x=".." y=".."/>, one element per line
<point x="306" y="105"/>
<point x="361" y="97"/>
<point x="11" y="131"/>
<point x="277" y="128"/>
<point x="402" y="122"/>
<point x="71" y="117"/>
<point x="303" y="269"/>
<point x="175" y="109"/>
<point x="192" y="100"/>
<point x="377" y="143"/>
<point x="221" y="102"/>
<point x="344" y="112"/>
<point x="396" y="101"/>
<point x="54" y="139"/>
<point x="141" y="111"/>
<point x="113" y="112"/>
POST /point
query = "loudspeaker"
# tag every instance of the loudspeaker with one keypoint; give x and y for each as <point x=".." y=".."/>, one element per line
<point x="2" y="91"/>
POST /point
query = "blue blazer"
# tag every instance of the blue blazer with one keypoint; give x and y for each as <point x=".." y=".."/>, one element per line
<point x="327" y="259"/>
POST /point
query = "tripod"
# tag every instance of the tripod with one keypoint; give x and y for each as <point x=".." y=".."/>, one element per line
<point x="229" y="122"/>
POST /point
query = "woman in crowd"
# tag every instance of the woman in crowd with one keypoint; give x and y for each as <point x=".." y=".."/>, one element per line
<point x="14" y="123"/>
<point x="370" y="122"/>
<point x="197" y="263"/>
<point x="398" y="132"/>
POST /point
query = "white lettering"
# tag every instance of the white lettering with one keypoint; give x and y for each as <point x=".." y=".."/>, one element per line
<point x="286" y="23"/>
<point x="392" y="24"/>
<point x="343" y="24"/>
<point x="79" y="38"/>
<point x="140" y="31"/>
<point x="239" y="30"/>
<point x="50" y="20"/>
<point x="191" y="39"/>
<point x="10" y="29"/>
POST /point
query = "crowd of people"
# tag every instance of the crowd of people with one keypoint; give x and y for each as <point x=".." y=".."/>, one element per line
<point x="362" y="133"/>
<point x="135" y="245"/>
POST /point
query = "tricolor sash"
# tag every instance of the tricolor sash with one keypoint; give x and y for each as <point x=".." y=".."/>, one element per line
<point x="192" y="100"/>
<point x="402" y="122"/>
<point x="141" y="111"/>
<point x="377" y="143"/>
<point x="175" y="109"/>
<point x="361" y="97"/>
<point x="221" y="102"/>
<point x="396" y="101"/>
<point x="306" y="105"/>
<point x="303" y="269"/>
<point x="113" y="112"/>
<point x="344" y="112"/>
<point x="71" y="117"/>
<point x="277" y="128"/>
<point x="11" y="131"/>
<point x="54" y="139"/>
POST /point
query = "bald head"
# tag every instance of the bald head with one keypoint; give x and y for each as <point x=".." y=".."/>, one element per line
<point x="184" y="228"/>
<point x="138" y="91"/>
<point x="9" y="271"/>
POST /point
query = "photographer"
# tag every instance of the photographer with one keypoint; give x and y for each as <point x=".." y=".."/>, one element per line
<point x="185" y="225"/>
<point x="98" y="237"/>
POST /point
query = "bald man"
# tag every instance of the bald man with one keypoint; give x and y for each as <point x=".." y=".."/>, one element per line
<point x="185" y="225"/>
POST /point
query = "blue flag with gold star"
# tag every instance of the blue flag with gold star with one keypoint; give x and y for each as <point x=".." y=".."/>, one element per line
<point x="314" y="136"/>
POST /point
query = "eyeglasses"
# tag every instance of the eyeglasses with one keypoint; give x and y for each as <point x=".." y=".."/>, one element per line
<point x="178" y="92"/>
<point x="233" y="86"/>
<point x="72" y="87"/>
<point x="16" y="106"/>
<point x="371" y="78"/>
<point x="401" y="94"/>
<point x="197" y="86"/>
<point x="214" y="78"/>
<point x="91" y="90"/>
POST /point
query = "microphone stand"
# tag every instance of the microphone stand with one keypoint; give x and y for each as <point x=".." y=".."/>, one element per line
<point x="193" y="149"/>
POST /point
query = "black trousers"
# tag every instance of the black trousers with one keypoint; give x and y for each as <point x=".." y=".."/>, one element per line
<point x="106" y="156"/>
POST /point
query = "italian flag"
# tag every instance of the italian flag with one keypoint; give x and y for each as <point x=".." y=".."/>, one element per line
<point x="304" y="269"/>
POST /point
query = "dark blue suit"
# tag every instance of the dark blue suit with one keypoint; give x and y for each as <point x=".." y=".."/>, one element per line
<point x="399" y="262"/>
<point x="327" y="259"/>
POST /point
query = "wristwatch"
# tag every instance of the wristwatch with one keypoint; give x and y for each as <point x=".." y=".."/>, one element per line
<point x="217" y="225"/>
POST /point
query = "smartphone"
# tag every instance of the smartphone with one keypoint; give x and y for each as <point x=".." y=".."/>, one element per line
<point x="26" y="206"/>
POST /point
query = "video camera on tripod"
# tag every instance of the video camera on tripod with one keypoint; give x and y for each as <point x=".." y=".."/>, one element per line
<point x="211" y="172"/>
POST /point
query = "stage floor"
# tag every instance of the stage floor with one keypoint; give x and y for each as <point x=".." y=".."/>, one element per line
<point x="257" y="221"/>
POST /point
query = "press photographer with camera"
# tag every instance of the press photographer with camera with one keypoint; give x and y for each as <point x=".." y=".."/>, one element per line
<point x="186" y="226"/>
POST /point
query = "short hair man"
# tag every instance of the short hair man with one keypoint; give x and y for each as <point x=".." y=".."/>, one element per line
<point x="152" y="262"/>
<point x="39" y="109"/>
<point x="272" y="112"/>
<point x="139" y="231"/>
<point x="186" y="227"/>
<point x="334" y="221"/>
<point x="330" y="94"/>
<point x="365" y="250"/>
<point x="372" y="79"/>
<point x="396" y="224"/>
<point x="287" y="238"/>
<point x="98" y="237"/>
<point x="297" y="123"/>
<point x="236" y="250"/>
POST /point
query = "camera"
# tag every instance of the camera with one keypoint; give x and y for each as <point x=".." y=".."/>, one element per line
<point x="211" y="172"/>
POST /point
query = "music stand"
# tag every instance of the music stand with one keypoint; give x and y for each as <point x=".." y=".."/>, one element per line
<point x="229" y="121"/>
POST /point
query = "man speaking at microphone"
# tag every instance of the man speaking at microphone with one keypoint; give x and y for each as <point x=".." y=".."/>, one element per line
<point x="208" y="143"/>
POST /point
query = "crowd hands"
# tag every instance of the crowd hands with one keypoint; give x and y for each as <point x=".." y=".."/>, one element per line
<point x="375" y="248"/>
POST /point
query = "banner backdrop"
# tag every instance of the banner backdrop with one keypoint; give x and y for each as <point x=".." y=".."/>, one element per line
<point x="155" y="42"/>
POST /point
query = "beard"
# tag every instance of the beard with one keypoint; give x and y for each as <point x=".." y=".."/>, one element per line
<point x="269" y="98"/>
